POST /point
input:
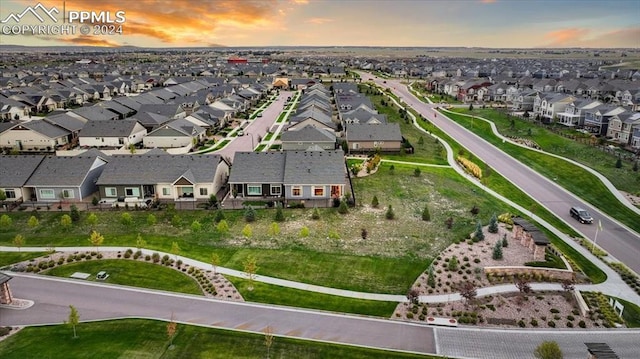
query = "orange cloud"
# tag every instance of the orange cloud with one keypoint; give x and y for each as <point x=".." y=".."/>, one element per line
<point x="83" y="40"/>
<point x="319" y="20"/>
<point x="566" y="37"/>
<point x="488" y="1"/>
<point x="175" y="22"/>
<point x="300" y="2"/>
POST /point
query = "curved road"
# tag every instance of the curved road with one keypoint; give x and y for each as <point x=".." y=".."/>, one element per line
<point x="95" y="301"/>
<point x="621" y="242"/>
<point x="52" y="297"/>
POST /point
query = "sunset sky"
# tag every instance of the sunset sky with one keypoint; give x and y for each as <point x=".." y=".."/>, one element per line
<point x="479" y="23"/>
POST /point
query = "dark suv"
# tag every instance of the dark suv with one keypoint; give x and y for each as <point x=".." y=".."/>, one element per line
<point x="581" y="215"/>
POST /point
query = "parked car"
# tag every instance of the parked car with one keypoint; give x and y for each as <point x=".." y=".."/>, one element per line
<point x="581" y="215"/>
<point x="102" y="275"/>
<point x="240" y="133"/>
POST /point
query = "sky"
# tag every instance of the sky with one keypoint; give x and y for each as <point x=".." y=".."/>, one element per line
<point x="402" y="23"/>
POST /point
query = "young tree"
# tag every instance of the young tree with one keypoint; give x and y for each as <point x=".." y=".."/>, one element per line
<point x="453" y="264"/>
<point x="468" y="291"/>
<point x="5" y="221"/>
<point x="493" y="224"/>
<point x="497" y="250"/>
<point x="95" y="201"/>
<point x="505" y="243"/>
<point x="33" y="222"/>
<point x="219" y="216"/>
<point x="92" y="219"/>
<point x="73" y="319"/>
<point x="304" y="232"/>
<point x="413" y="296"/>
<point x="431" y="281"/>
<point x="172" y="328"/>
<point x="315" y="215"/>
<point x="74" y="213"/>
<point x="274" y="229"/>
<point x="343" y="208"/>
<point x="268" y="339"/>
<point x="548" y="350"/>
<point x="249" y="214"/>
<point x="175" y="250"/>
<point x="619" y="163"/>
<point x="65" y="221"/>
<point x="279" y="217"/>
<point x="417" y="172"/>
<point x="426" y="216"/>
<point x="374" y="202"/>
<point x="213" y="202"/>
<point x="196" y="226"/>
<point x="151" y="219"/>
<point x="222" y="227"/>
<point x="140" y="243"/>
<point x="215" y="262"/>
<point x="247" y="231"/>
<point x="96" y="239"/>
<point x="390" y="214"/>
<point x="18" y="241"/>
<point x="251" y="267"/>
<point x="125" y="218"/>
<point x="392" y="169"/>
<point x="478" y="235"/>
<point x="470" y="107"/>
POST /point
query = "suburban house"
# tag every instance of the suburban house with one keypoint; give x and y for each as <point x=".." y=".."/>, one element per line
<point x="163" y="177"/>
<point x="621" y="127"/>
<point x="118" y="134"/>
<point x="548" y="105"/>
<point x="310" y="178"/>
<point x="635" y="137"/>
<point x="573" y="115"/>
<point x="35" y="135"/>
<point x="64" y="178"/>
<point x="308" y="138"/>
<point x="176" y="133"/>
<point x="14" y="173"/>
<point x="596" y="119"/>
<point x="368" y="138"/>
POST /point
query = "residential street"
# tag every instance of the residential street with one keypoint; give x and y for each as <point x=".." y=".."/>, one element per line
<point x="53" y="296"/>
<point x="618" y="240"/>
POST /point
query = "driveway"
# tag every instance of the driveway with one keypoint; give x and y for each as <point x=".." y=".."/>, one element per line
<point x="256" y="129"/>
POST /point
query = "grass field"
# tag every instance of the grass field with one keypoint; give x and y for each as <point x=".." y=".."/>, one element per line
<point x="572" y="177"/>
<point x="132" y="273"/>
<point x="133" y="338"/>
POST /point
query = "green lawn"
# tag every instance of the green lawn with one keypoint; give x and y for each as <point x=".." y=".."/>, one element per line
<point x="571" y="177"/>
<point x="7" y="258"/>
<point x="271" y="294"/>
<point x="132" y="273"/>
<point x="137" y="338"/>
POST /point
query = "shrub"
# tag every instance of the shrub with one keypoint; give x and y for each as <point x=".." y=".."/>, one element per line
<point x="521" y="323"/>
<point x="279" y="217"/>
<point x="364" y="233"/>
<point x="426" y="216"/>
<point x="390" y="214"/>
<point x="582" y="324"/>
<point x="554" y="310"/>
<point x="409" y="315"/>
<point x="316" y="213"/>
<point x="219" y="216"/>
<point x="453" y="264"/>
<point x="478" y="235"/>
<point x="497" y="251"/>
<point x="151" y="220"/>
<point x="155" y="257"/>
<point x="342" y="208"/>
<point x="533" y="322"/>
<point x="551" y="324"/>
<point x="493" y="224"/>
<point x="75" y="214"/>
<point x="374" y="202"/>
<point x="569" y="325"/>
<point x="125" y="218"/>
<point x="249" y="214"/>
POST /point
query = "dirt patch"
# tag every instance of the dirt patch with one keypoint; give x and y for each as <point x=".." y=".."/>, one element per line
<point x="633" y="199"/>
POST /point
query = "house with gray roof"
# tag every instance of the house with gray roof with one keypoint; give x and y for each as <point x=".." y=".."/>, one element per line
<point x="308" y="137"/>
<point x="93" y="113"/>
<point x="35" y="135"/>
<point x="64" y="178"/>
<point x="163" y="177"/>
<point x="14" y="173"/>
<point x="368" y="138"/>
<point x="116" y="134"/>
<point x="311" y="178"/>
<point x="176" y="133"/>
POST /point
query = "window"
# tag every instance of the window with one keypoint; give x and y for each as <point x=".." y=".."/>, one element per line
<point x="67" y="193"/>
<point x="47" y="194"/>
<point x="10" y="193"/>
<point x="276" y="190"/>
<point x="296" y="191"/>
<point x="166" y="191"/>
<point x="204" y="191"/>
<point x="132" y="192"/>
<point x="111" y="192"/>
<point x="318" y="191"/>
<point x="254" y="190"/>
<point x="187" y="190"/>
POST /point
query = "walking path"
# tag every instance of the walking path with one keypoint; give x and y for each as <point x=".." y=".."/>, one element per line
<point x="608" y="287"/>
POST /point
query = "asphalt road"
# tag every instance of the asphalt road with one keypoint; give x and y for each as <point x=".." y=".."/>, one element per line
<point x="618" y="240"/>
<point x="52" y="297"/>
